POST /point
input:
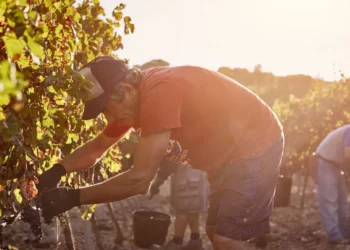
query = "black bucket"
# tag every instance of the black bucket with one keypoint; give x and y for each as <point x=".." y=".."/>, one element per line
<point x="283" y="191"/>
<point x="150" y="228"/>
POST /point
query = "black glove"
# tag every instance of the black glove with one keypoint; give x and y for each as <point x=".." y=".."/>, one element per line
<point x="154" y="189"/>
<point x="50" y="178"/>
<point x="58" y="200"/>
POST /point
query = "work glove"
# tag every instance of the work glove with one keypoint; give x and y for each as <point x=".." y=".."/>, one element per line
<point x="57" y="201"/>
<point x="154" y="189"/>
<point x="50" y="178"/>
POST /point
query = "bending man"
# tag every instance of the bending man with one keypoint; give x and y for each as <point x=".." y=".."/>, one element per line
<point x="191" y="116"/>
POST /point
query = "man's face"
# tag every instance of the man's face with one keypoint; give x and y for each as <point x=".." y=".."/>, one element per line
<point x="125" y="111"/>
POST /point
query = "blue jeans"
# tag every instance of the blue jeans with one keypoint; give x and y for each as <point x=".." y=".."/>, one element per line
<point x="242" y="194"/>
<point x="331" y="193"/>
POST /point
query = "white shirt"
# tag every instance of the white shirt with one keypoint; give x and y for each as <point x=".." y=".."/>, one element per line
<point x="332" y="147"/>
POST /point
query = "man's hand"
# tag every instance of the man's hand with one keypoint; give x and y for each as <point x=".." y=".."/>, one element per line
<point x="57" y="201"/>
<point x="50" y="178"/>
<point x="154" y="189"/>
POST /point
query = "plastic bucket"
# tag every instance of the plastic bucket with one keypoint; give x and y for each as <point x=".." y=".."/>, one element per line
<point x="150" y="228"/>
<point x="283" y="191"/>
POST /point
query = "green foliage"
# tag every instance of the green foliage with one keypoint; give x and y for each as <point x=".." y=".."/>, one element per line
<point x="42" y="44"/>
<point x="306" y="121"/>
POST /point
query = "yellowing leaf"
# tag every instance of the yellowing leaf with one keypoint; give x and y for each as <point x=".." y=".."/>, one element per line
<point x="58" y="29"/>
<point x="86" y="215"/>
<point x="57" y="5"/>
<point x="32" y="14"/>
<point x="23" y="62"/>
<point x="13" y="46"/>
<point x="35" y="48"/>
<point x="2" y="115"/>
<point x="127" y="19"/>
<point x="18" y="195"/>
<point x="77" y="17"/>
<point x="118" y="15"/>
<point x="4" y="99"/>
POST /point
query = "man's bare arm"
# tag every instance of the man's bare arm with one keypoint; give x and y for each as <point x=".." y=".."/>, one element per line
<point x="88" y="154"/>
<point x="347" y="153"/>
<point x="149" y="153"/>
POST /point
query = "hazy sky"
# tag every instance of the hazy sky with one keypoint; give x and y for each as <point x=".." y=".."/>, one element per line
<point x="284" y="36"/>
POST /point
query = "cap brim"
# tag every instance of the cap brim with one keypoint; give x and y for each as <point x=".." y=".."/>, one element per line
<point x="95" y="106"/>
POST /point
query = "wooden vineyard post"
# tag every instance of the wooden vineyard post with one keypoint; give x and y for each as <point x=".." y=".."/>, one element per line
<point x="88" y="244"/>
<point x="67" y="231"/>
<point x="96" y="232"/>
<point x="125" y="218"/>
<point x="87" y="227"/>
<point x="119" y="238"/>
<point x="302" y="202"/>
<point x="306" y="177"/>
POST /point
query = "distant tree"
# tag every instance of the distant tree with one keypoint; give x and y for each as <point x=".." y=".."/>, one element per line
<point x="258" y="68"/>
<point x="153" y="63"/>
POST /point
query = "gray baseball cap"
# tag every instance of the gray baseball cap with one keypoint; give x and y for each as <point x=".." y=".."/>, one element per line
<point x="105" y="72"/>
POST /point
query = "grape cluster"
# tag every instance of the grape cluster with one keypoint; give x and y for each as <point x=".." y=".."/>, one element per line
<point x="31" y="216"/>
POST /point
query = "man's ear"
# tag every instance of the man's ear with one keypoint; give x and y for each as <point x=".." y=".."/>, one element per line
<point x="122" y="90"/>
<point x="127" y="88"/>
<point x="118" y="93"/>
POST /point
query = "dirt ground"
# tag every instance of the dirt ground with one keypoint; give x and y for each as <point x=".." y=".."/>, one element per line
<point x="291" y="227"/>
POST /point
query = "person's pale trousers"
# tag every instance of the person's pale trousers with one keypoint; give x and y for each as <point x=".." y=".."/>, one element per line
<point x="331" y="193"/>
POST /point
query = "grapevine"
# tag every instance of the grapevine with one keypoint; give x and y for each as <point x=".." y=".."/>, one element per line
<point x="43" y="44"/>
<point x="306" y="121"/>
